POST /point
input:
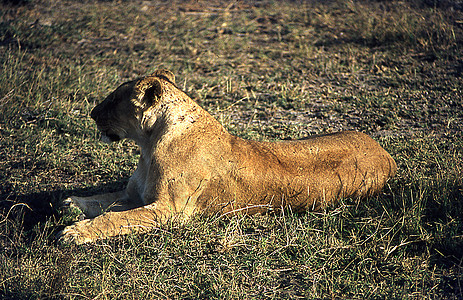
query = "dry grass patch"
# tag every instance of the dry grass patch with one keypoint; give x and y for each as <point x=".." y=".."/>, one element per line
<point x="266" y="70"/>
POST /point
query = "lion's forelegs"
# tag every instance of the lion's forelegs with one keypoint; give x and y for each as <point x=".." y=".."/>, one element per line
<point x="114" y="223"/>
<point x="96" y="205"/>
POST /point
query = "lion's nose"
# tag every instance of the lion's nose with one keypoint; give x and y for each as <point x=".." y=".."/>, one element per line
<point x="95" y="113"/>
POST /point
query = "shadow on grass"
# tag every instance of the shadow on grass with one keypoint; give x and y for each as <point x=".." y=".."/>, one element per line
<point x="443" y="218"/>
<point x="31" y="209"/>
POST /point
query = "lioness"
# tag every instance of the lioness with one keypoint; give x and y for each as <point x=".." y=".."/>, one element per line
<point x="190" y="164"/>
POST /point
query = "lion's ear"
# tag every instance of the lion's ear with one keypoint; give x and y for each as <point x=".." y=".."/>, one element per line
<point x="148" y="90"/>
<point x="165" y="73"/>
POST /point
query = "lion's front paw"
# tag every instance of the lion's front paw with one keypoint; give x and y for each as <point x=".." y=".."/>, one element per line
<point x="71" y="211"/>
<point x="76" y="234"/>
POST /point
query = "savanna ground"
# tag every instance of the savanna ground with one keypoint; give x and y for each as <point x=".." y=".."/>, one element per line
<point x="267" y="70"/>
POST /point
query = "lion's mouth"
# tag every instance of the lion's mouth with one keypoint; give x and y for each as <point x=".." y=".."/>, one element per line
<point x="107" y="136"/>
<point x="113" y="137"/>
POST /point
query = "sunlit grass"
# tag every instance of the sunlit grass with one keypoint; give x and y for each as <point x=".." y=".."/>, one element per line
<point x="269" y="71"/>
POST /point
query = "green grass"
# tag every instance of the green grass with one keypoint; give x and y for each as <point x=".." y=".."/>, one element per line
<point x="268" y="71"/>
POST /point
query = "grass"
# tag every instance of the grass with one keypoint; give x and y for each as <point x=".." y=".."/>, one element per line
<point x="267" y="71"/>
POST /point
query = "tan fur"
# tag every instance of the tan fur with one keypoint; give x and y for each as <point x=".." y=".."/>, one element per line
<point x="190" y="164"/>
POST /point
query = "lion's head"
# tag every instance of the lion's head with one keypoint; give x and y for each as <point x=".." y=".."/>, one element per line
<point x="123" y="113"/>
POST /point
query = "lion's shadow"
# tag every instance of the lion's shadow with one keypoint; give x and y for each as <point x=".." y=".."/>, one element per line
<point x="28" y="210"/>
